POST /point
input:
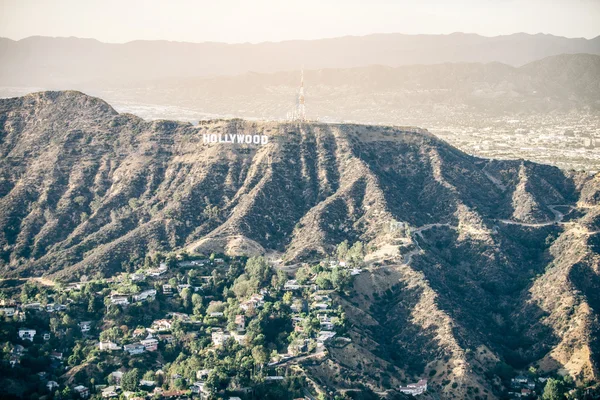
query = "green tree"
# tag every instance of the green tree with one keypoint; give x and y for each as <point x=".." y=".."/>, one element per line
<point x="186" y="296"/>
<point x="554" y="390"/>
<point x="130" y="380"/>
<point x="342" y="250"/>
<point x="257" y="267"/>
<point x="303" y="275"/>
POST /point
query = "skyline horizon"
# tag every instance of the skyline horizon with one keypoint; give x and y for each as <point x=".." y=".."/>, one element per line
<point x="304" y="40"/>
<point x="263" y="21"/>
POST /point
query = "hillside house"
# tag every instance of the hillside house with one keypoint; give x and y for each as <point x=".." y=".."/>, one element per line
<point x="240" y="339"/>
<point x="27" y="334"/>
<point x="137" y="277"/>
<point x="162" y="325"/>
<point x="255" y="301"/>
<point x="82" y="391"/>
<point x="414" y="389"/>
<point x="33" y="306"/>
<point x="219" y="337"/>
<point x="134" y="348"/>
<point x="166" y="338"/>
<point x="108" y="346"/>
<point x="148" y="295"/>
<point x="139" y="332"/>
<point x="85" y="326"/>
<point x="323" y="336"/>
<point x="110" y="392"/>
<point x="117" y="376"/>
<point x="7" y="311"/>
<point x="150" y="344"/>
<point x="167" y="290"/>
<point x="240" y="321"/>
<point x="179" y="316"/>
<point x="292" y="284"/>
<point x="52" y="385"/>
<point x="119" y="299"/>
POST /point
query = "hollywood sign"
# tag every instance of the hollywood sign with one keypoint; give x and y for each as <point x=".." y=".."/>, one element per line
<point x="240" y="139"/>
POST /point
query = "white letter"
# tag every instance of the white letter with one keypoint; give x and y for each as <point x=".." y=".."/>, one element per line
<point x="256" y="139"/>
<point x="206" y="138"/>
<point x="213" y="138"/>
<point x="264" y="139"/>
<point x="248" y="139"/>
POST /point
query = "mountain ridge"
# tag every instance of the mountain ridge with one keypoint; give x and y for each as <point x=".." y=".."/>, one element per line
<point x="63" y="63"/>
<point x="463" y="252"/>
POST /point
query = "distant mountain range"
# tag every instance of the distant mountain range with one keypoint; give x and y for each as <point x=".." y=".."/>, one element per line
<point x="427" y="94"/>
<point x="475" y="262"/>
<point x="63" y="63"/>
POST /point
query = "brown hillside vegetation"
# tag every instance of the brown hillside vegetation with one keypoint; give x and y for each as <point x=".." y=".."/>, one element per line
<point x="498" y="261"/>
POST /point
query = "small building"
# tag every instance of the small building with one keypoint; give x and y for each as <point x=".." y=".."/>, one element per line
<point x="82" y="391"/>
<point x="27" y="334"/>
<point x="119" y="299"/>
<point x="139" y="332"/>
<point x="8" y="311"/>
<point x="166" y="338"/>
<point x="134" y="348"/>
<point x="108" y="346"/>
<point x="52" y="385"/>
<point x="110" y="392"/>
<point x="240" y="321"/>
<point x="323" y="336"/>
<point x="46" y="336"/>
<point x="240" y="339"/>
<point x="33" y="306"/>
<point x="117" y="376"/>
<point x="137" y="277"/>
<point x="414" y="389"/>
<point x="150" y="344"/>
<point x="85" y="326"/>
<point x="255" y="301"/>
<point x="146" y="295"/>
<point x="167" y="289"/>
<point x="291" y="284"/>
<point x="162" y="325"/>
<point x="219" y="337"/>
<point x="56" y="355"/>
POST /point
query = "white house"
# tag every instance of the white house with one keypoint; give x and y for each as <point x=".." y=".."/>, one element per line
<point x="145" y="295"/>
<point x="292" y="284"/>
<point x="111" y="346"/>
<point x="134" y="348"/>
<point x="119" y="299"/>
<point x="85" y="326"/>
<point x="415" y="389"/>
<point x="150" y="344"/>
<point x="51" y="385"/>
<point x="255" y="301"/>
<point x="8" y="311"/>
<point x="161" y="325"/>
<point x="27" y="334"/>
<point x="219" y="337"/>
<point x="137" y="277"/>
<point x="82" y="391"/>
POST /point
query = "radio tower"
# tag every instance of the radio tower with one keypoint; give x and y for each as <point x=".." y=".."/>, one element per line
<point x="300" y="108"/>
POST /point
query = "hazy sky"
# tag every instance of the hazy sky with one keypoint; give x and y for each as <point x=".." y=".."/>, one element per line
<point x="275" y="20"/>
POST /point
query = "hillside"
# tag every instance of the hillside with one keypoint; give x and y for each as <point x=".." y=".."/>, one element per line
<point x="472" y="262"/>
